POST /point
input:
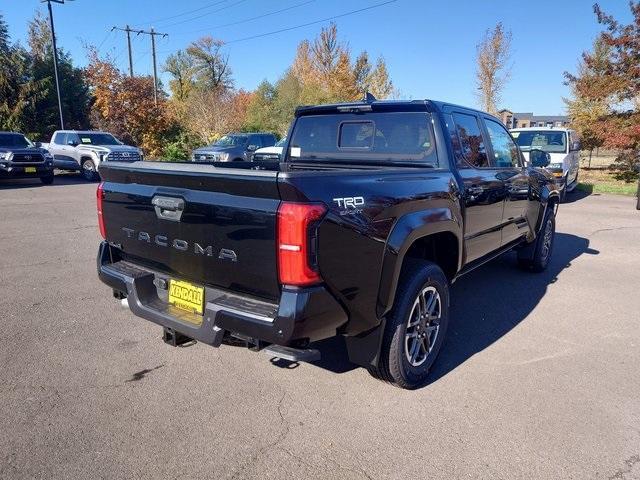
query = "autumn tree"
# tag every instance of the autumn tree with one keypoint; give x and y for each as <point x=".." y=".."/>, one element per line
<point x="124" y="106"/>
<point x="613" y="79"/>
<point x="493" y="70"/>
<point x="585" y="111"/>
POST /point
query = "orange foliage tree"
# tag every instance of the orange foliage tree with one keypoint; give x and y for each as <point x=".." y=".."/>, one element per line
<point x="124" y="106"/>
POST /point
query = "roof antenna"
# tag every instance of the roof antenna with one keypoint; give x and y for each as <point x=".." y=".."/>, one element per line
<point x="369" y="98"/>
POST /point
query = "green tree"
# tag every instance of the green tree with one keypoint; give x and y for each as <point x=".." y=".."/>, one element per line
<point x="210" y="65"/>
<point x="41" y="116"/>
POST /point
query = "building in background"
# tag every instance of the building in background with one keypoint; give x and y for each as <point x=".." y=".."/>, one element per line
<point x="528" y="119"/>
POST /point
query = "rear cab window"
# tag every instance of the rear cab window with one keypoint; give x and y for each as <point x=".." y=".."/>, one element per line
<point x="373" y="138"/>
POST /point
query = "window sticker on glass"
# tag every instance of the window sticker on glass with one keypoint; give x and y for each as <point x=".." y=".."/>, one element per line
<point x="515" y="134"/>
<point x="85" y="140"/>
<point x="296" y="151"/>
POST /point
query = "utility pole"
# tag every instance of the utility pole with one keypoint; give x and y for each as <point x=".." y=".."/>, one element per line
<point x="155" y="73"/>
<point x="128" y="30"/>
<point x="153" y="35"/>
<point x="55" y="57"/>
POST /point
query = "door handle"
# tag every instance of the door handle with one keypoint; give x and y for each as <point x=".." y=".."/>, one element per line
<point x="168" y="208"/>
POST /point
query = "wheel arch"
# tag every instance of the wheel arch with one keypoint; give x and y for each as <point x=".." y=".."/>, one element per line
<point x="434" y="235"/>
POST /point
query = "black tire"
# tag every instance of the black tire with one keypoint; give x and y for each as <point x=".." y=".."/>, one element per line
<point x="394" y="365"/>
<point x="88" y="170"/>
<point x="543" y="247"/>
<point x="48" y="180"/>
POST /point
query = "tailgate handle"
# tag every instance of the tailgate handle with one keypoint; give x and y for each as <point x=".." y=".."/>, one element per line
<point x="168" y="208"/>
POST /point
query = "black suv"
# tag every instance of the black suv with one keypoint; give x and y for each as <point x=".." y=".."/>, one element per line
<point x="19" y="158"/>
<point x="234" y="147"/>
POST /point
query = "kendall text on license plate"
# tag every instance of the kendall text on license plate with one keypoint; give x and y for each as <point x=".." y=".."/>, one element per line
<point x="186" y="296"/>
<point x="29" y="169"/>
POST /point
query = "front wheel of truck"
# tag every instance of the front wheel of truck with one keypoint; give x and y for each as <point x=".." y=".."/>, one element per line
<point x="416" y="326"/>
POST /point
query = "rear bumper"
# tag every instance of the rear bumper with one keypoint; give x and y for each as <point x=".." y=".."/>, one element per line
<point x="301" y="314"/>
<point x="13" y="170"/>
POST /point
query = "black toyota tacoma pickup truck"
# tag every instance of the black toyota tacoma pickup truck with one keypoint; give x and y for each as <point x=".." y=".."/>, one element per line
<point x="374" y="210"/>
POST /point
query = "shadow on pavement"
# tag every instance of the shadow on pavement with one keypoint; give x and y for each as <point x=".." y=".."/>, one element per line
<point x="485" y="305"/>
<point x="61" y="180"/>
<point x="579" y="193"/>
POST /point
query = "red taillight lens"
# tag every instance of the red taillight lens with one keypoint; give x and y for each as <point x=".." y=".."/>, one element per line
<point x="99" y="198"/>
<point x="294" y="237"/>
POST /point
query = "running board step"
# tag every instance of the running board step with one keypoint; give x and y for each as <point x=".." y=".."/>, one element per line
<point x="293" y="354"/>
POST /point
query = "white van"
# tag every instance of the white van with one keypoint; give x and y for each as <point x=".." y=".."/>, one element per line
<point x="563" y="147"/>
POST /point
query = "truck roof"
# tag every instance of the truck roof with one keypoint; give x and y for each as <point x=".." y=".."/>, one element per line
<point x="388" y="105"/>
<point x="81" y="131"/>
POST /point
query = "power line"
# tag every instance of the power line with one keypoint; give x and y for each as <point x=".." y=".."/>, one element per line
<point x="203" y="15"/>
<point x="183" y="13"/>
<point x="247" y="19"/>
<point x="352" y="12"/>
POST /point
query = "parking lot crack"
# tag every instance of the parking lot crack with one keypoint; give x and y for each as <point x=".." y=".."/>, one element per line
<point x="630" y="463"/>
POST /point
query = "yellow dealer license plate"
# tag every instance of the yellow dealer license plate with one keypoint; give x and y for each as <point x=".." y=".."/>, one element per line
<point x="29" y="169"/>
<point x="186" y="296"/>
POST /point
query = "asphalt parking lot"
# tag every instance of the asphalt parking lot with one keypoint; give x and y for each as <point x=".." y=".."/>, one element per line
<point x="538" y="378"/>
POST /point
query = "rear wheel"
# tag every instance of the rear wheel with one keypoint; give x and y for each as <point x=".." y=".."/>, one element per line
<point x="416" y="327"/>
<point x="89" y="172"/>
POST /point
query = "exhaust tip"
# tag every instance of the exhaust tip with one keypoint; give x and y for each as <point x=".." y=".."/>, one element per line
<point x="125" y="303"/>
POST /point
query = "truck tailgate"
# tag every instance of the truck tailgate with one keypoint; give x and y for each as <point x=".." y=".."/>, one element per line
<point x="213" y="226"/>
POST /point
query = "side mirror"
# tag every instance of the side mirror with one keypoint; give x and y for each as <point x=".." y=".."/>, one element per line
<point x="252" y="148"/>
<point x="575" y="146"/>
<point x="539" y="158"/>
<point x="71" y="143"/>
<point x="38" y="144"/>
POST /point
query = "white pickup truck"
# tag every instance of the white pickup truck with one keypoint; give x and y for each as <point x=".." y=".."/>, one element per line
<point x="84" y="151"/>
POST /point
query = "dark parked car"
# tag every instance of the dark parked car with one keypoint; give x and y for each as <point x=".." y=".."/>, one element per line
<point x="234" y="147"/>
<point x="20" y="158"/>
<point x="374" y="210"/>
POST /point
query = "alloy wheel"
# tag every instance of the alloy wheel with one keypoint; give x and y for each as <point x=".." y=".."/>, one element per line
<point x="423" y="326"/>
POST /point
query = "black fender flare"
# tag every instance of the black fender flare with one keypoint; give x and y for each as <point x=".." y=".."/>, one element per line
<point x="405" y="232"/>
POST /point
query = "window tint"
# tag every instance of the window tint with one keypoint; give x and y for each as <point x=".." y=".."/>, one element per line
<point x="268" y="140"/>
<point x="469" y="142"/>
<point x="356" y="135"/>
<point x="372" y="137"/>
<point x="255" y="140"/>
<point x="505" y="151"/>
<point x="60" y="138"/>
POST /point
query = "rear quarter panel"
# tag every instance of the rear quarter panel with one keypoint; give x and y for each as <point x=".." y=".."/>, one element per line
<point x="355" y="246"/>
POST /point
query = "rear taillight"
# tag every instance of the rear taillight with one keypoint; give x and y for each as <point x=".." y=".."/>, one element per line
<point x="296" y="237"/>
<point x="99" y="198"/>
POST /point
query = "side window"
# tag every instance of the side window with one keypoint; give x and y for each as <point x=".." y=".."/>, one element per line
<point x="504" y="150"/>
<point x="268" y="140"/>
<point x="469" y="142"/>
<point x="73" y="137"/>
<point x="255" y="140"/>
<point x="60" y="138"/>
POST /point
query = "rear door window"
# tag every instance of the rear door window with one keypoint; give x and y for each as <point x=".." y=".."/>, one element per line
<point x="467" y="140"/>
<point x="364" y="138"/>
